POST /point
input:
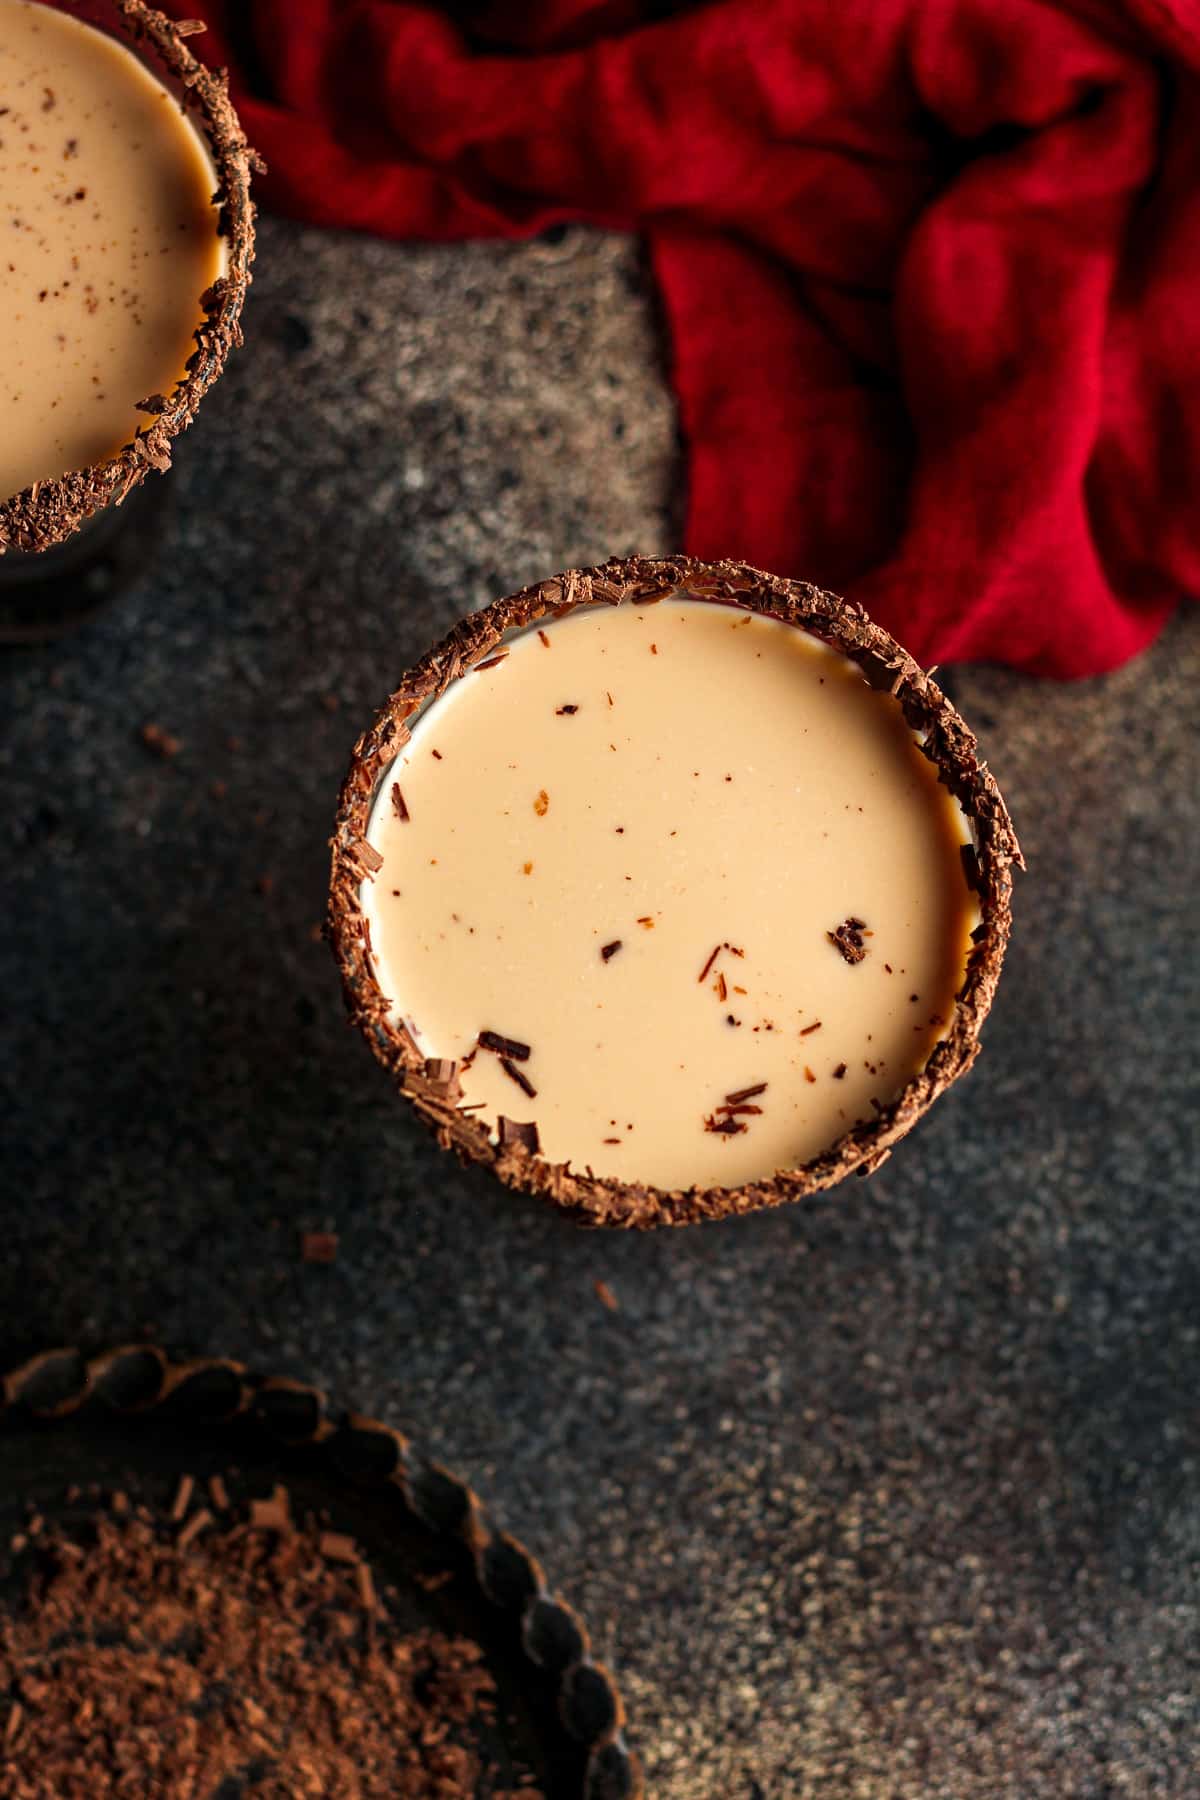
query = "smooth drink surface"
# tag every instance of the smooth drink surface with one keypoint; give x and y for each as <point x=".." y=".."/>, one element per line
<point x="108" y="239"/>
<point x="713" y="793"/>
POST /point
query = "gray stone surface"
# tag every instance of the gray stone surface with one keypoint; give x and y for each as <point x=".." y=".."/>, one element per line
<point x="892" y="1496"/>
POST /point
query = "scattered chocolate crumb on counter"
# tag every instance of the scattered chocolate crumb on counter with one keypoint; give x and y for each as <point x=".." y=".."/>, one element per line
<point x="504" y="1046"/>
<point x="399" y="804"/>
<point x="159" y="741"/>
<point x="608" y="951"/>
<point x="606" y="1296"/>
<point x="848" y="939"/>
<point x="319" y="1246"/>
<point x="519" y="1076"/>
<point x="233" y="1659"/>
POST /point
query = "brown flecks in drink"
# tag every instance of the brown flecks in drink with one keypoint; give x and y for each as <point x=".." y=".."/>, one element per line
<point x="519" y="1076"/>
<point x="808" y="1074"/>
<point x="319" y="1246"/>
<point x="746" y="1093"/>
<point x="609" y="698"/>
<point x="160" y="742"/>
<point x="887" y="967"/>
<point x="50" y="101"/>
<point x="399" y="806"/>
<point x="608" y="951"/>
<point x="504" y="1046"/>
<point x="720" y="988"/>
<point x="654" y="649"/>
<point x="544" y="638"/>
<point x="610" y="1140"/>
<point x="730" y="1020"/>
<point x="646" y="922"/>
<point x="808" y="1030"/>
<point x="527" y="868"/>
<point x="913" y="998"/>
<point x="542" y="804"/>
<point x="848" y="939"/>
<point x="559" y="711"/>
<point x="840" y="1072"/>
<point x="491" y="662"/>
<point x="713" y="955"/>
<point x="436" y="755"/>
<point x="726" y="1126"/>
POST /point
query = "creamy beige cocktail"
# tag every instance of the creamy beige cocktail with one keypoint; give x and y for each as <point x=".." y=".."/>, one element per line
<point x="673" y="886"/>
<point x="121" y="279"/>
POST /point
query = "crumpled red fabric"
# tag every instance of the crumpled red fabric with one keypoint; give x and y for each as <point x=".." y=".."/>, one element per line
<point x="930" y="268"/>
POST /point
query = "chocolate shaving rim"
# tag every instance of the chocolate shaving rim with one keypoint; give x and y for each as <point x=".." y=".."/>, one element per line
<point x="48" y="512"/>
<point x="944" y="739"/>
<point x="214" y="1393"/>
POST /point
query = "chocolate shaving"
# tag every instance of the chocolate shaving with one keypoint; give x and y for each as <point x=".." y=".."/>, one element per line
<point x="518" y="1075"/>
<point x="399" y="807"/>
<point x="514" y="1131"/>
<point x="716" y="951"/>
<point x="726" y="1126"/>
<point x="491" y="662"/>
<point x="808" y="1030"/>
<point x="319" y="1246"/>
<point x="746" y="1093"/>
<point x="848" y="940"/>
<point x="839" y="1072"/>
<point x="970" y="863"/>
<point x="568" y="710"/>
<point x="607" y="951"/>
<point x="746" y="1106"/>
<point x="504" y="1046"/>
<point x="543" y="637"/>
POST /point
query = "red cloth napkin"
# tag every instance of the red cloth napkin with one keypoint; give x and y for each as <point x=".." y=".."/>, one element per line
<point x="930" y="267"/>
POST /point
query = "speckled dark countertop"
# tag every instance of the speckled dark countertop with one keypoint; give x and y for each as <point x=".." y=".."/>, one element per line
<point x="894" y="1497"/>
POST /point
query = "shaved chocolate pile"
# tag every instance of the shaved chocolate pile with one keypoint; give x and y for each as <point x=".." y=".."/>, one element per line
<point x="197" y="1658"/>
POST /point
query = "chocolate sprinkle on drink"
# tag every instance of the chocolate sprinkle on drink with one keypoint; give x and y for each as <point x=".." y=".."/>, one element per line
<point x="398" y="804"/>
<point x="504" y="1046"/>
<point x="940" y="736"/>
<point x="848" y="939"/>
<point x="48" y="512"/>
<point x="608" y="951"/>
<point x="519" y="1076"/>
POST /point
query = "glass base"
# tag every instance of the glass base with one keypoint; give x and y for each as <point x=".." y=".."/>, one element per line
<point x="47" y="594"/>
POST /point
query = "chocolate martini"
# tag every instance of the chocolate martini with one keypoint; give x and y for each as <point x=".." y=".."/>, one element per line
<point x="668" y="899"/>
<point x="125" y="243"/>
